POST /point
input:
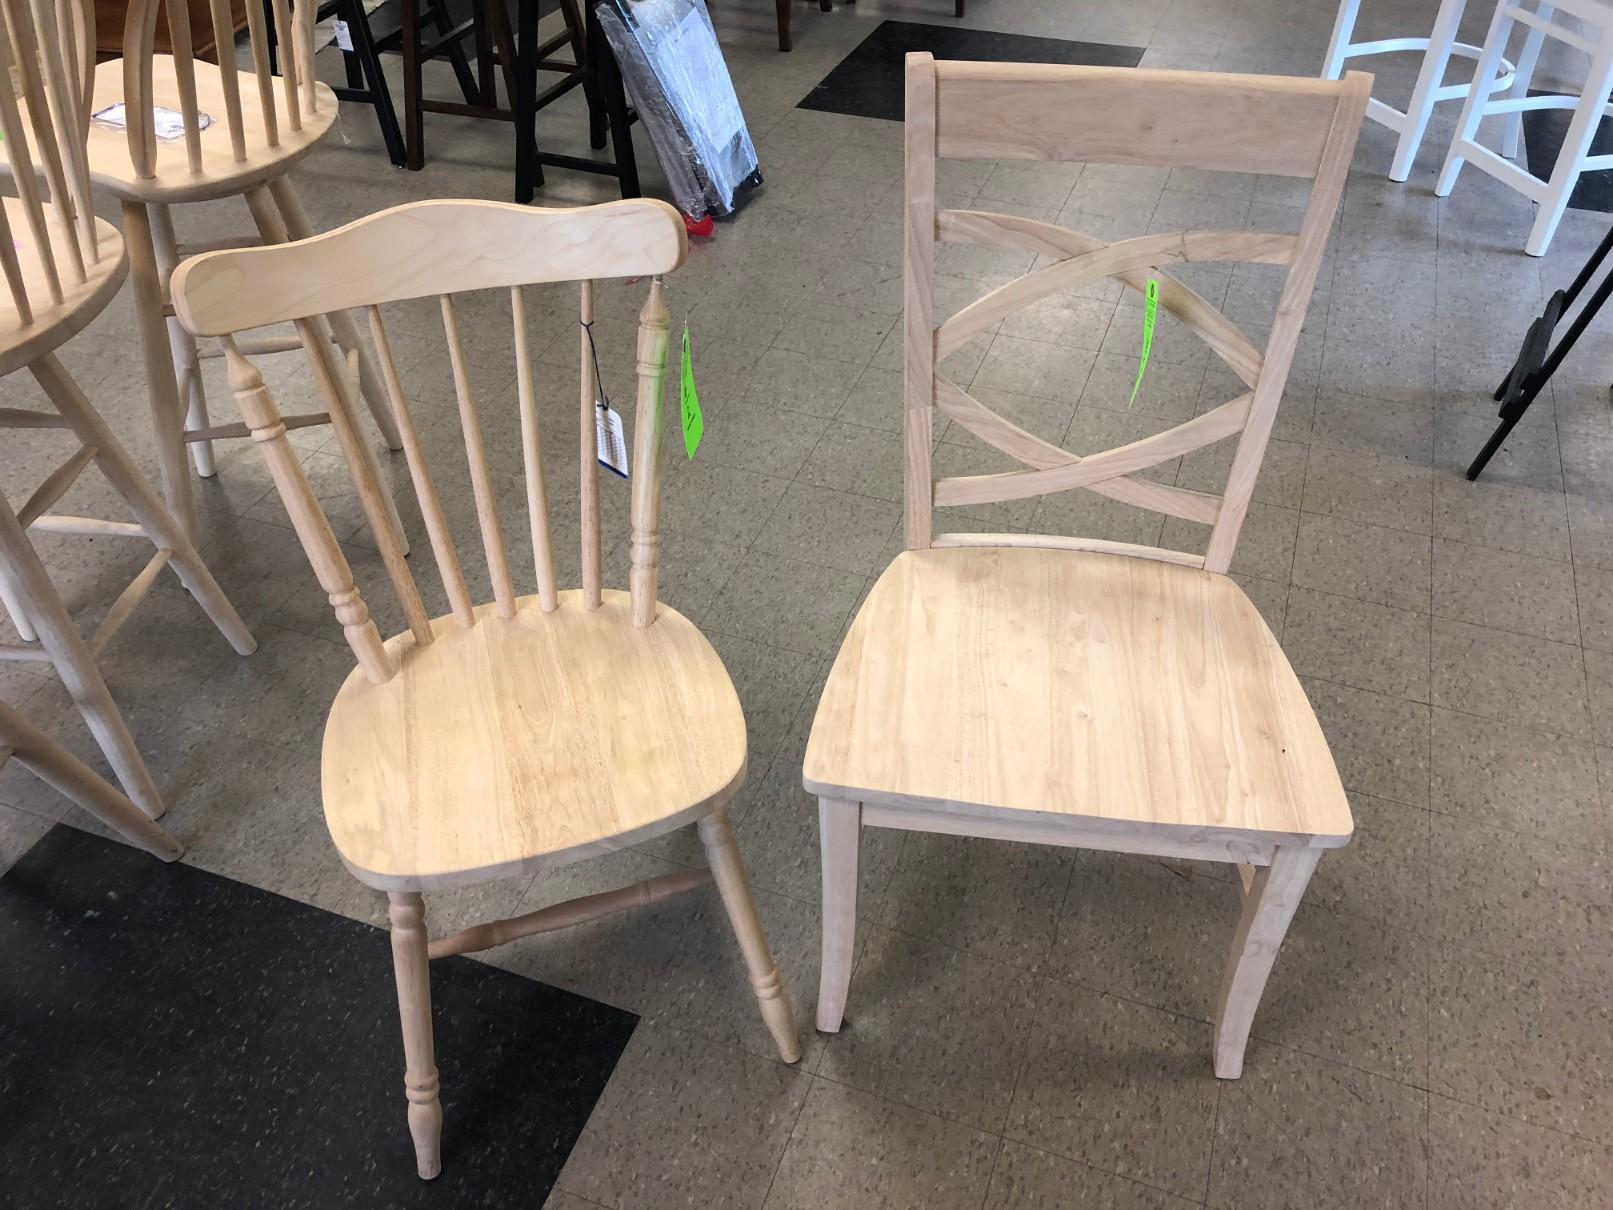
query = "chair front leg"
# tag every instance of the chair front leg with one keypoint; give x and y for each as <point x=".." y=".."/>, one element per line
<point x="1269" y="904"/>
<point x="733" y="884"/>
<point x="412" y="966"/>
<point x="840" y="837"/>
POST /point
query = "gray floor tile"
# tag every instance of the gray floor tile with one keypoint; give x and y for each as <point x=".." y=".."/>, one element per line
<point x="1367" y="562"/>
<point x="798" y="606"/>
<point x="1355" y="643"/>
<point x="1505" y="591"/>
<point x="1509" y="676"/>
<point x="1379" y="743"/>
<point x="1369" y="488"/>
<point x="1122" y="1087"/>
<point x="933" y="1028"/>
<point x="1483" y="1161"/>
<point x="1028" y="1179"/>
<point x="1382" y="873"/>
<point x="685" y="1123"/>
<point x="1294" y="1132"/>
<point x="832" y="528"/>
<point x="851" y="1149"/>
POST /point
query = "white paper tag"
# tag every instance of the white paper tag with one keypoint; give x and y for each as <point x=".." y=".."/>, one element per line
<point x="344" y="36"/>
<point x="169" y="123"/>
<point x="608" y="439"/>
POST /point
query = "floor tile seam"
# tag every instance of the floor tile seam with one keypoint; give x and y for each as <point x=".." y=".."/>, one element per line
<point x="1255" y="1034"/>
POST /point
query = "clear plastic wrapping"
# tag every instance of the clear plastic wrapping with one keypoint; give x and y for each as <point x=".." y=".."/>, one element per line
<point x="675" y="73"/>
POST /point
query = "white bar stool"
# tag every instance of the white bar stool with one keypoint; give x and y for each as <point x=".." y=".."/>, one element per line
<point x="1430" y="89"/>
<point x="1588" y="107"/>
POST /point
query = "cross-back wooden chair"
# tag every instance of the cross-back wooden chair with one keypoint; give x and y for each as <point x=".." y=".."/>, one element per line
<point x="1073" y="691"/>
<point x="531" y="731"/>
<point x="58" y="768"/>
<point x="62" y="266"/>
<point x="237" y="133"/>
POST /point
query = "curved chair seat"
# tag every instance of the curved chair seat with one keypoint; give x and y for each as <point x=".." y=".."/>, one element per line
<point x="528" y="742"/>
<point x="52" y="325"/>
<point x="221" y="175"/>
<point x="1124" y="695"/>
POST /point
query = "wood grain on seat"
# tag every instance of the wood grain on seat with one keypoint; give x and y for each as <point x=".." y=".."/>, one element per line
<point x="516" y="744"/>
<point x="1075" y="684"/>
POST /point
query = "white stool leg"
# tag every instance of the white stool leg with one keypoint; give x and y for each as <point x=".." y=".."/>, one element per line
<point x="1571" y="159"/>
<point x="1473" y="105"/>
<point x="1343" y="28"/>
<point x="1520" y="86"/>
<point x="1429" y="78"/>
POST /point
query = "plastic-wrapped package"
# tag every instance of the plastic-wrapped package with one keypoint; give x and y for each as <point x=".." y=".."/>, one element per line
<point x="675" y="73"/>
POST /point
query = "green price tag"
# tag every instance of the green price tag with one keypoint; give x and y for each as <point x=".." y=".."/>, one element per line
<point x="1150" y="311"/>
<point x="694" y="424"/>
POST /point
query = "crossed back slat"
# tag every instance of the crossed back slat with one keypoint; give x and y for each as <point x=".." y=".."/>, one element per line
<point x="440" y="250"/>
<point x="1249" y="124"/>
<point x="259" y="116"/>
<point x="47" y="232"/>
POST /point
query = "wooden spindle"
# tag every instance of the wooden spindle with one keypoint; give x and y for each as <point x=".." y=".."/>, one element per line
<point x="73" y="201"/>
<point x="259" y="37"/>
<point x="16" y="138"/>
<point x="83" y="22"/>
<point x="179" y="34"/>
<point x="229" y="77"/>
<point x="537" y="494"/>
<point x="302" y="49"/>
<point x="307" y="518"/>
<point x="13" y="269"/>
<point x="592" y="556"/>
<point x="654" y="326"/>
<point x="382" y="519"/>
<point x="21" y="27"/>
<point x="290" y="73"/>
<point x="425" y="490"/>
<point x="498" y="567"/>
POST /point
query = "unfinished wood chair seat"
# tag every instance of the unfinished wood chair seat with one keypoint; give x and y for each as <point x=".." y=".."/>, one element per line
<point x="53" y="323"/>
<point x="1158" y="701"/>
<point x="527" y="742"/>
<point x="171" y="179"/>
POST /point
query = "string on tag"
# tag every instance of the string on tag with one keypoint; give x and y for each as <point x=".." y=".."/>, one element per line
<point x="610" y="443"/>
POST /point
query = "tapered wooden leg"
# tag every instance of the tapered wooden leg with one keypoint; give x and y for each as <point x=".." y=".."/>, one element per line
<point x="413" y="970"/>
<point x="840" y="838"/>
<point x="64" y="772"/>
<point x="12" y="600"/>
<point x="187" y="364"/>
<point x="125" y="478"/>
<point x="733" y="884"/>
<point x="167" y="408"/>
<point x="74" y="663"/>
<point x="1269" y="903"/>
<point x="341" y="323"/>
<point x="784" y="39"/>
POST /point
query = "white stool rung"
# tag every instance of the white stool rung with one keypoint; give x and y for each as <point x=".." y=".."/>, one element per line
<point x="1505" y="171"/>
<point x="1551" y="29"/>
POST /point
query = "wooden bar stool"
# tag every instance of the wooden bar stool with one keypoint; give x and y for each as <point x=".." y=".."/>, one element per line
<point x="1430" y="89"/>
<point x="528" y="732"/>
<point x="218" y="140"/>
<point x="1067" y="690"/>
<point x="1589" y="106"/>
<point x="62" y="266"/>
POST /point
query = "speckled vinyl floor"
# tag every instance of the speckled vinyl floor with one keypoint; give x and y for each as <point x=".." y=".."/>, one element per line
<point x="1029" y="1027"/>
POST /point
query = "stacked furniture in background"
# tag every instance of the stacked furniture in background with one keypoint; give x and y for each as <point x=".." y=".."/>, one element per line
<point x="1074" y="691"/>
<point x="62" y="266"/>
<point x="241" y="134"/>
<point x="529" y="732"/>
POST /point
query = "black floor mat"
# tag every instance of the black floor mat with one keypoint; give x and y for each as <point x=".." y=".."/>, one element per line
<point x="867" y="83"/>
<point x="170" y="1038"/>
<point x="1543" y="134"/>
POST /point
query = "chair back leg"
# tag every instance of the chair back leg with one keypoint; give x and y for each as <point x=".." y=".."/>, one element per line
<point x="412" y="967"/>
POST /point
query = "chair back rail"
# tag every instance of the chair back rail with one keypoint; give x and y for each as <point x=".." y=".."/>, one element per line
<point x="1250" y="124"/>
<point x="440" y="250"/>
<point x="53" y="247"/>
<point x="293" y="32"/>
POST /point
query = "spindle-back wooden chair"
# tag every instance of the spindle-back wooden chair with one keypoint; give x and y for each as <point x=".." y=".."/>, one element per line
<point x="532" y="731"/>
<point x="62" y="265"/>
<point x="1074" y="691"/>
<point x="58" y="768"/>
<point x="242" y="133"/>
